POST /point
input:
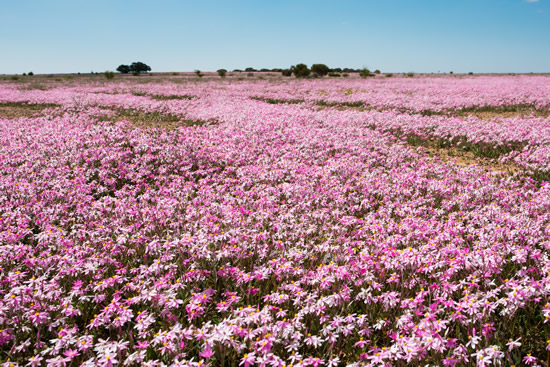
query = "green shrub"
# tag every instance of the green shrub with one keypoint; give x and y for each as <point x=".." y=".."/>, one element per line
<point x="286" y="72"/>
<point x="470" y="73"/>
<point x="175" y="74"/>
<point x="222" y="72"/>
<point x="345" y="75"/>
<point x="15" y="77"/>
<point x="30" y="73"/>
<point x="389" y="75"/>
<point x="135" y="73"/>
<point x="410" y="74"/>
<point x="109" y="74"/>
<point x="300" y="71"/>
<point x="377" y="71"/>
<point x="365" y="73"/>
<point x="319" y="69"/>
<point x="334" y="75"/>
<point x="198" y="73"/>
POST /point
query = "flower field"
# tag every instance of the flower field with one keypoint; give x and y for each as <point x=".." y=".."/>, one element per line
<point x="271" y="222"/>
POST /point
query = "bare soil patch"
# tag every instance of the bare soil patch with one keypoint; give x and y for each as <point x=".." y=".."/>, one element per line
<point x="154" y="119"/>
<point x="494" y="115"/>
<point x="464" y="158"/>
<point x="15" y="110"/>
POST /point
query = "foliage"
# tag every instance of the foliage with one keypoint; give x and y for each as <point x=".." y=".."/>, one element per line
<point x="365" y="73"/>
<point x="286" y="72"/>
<point x="300" y="70"/>
<point x="198" y="73"/>
<point x="123" y="69"/>
<point x="319" y="69"/>
<point x="109" y="74"/>
<point x="139" y="67"/>
<point x="222" y="72"/>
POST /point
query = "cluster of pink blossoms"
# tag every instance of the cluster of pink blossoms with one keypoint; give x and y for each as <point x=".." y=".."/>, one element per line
<point x="273" y="234"/>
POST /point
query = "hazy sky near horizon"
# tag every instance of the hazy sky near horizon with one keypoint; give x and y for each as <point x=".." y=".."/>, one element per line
<point x="64" y="36"/>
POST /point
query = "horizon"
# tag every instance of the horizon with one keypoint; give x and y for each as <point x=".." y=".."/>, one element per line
<point x="426" y="37"/>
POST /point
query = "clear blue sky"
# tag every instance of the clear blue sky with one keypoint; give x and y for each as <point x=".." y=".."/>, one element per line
<point x="169" y="35"/>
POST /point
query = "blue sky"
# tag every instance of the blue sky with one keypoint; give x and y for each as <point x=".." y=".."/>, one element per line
<point x="391" y="35"/>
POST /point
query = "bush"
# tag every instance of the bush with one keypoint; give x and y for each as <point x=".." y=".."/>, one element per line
<point x="15" y="77"/>
<point x="135" y="73"/>
<point x="365" y="73"/>
<point x="250" y="75"/>
<point x="345" y="75"/>
<point x="300" y="71"/>
<point x="109" y="74"/>
<point x="470" y="73"/>
<point x="319" y="69"/>
<point x="222" y="72"/>
<point x="198" y="73"/>
<point x="249" y="69"/>
<point x="410" y="74"/>
<point x="30" y="73"/>
<point x="334" y="75"/>
<point x="377" y="71"/>
<point x="389" y="75"/>
<point x="286" y="72"/>
<point x="175" y="74"/>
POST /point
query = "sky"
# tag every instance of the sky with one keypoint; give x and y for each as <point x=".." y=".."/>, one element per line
<point x="422" y="36"/>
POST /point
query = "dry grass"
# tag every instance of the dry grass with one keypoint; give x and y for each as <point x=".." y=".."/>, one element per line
<point x="15" y="110"/>
<point x="496" y="115"/>
<point x="464" y="158"/>
<point x="154" y="119"/>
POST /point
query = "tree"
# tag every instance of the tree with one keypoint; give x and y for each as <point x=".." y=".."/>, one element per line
<point x="319" y="69"/>
<point x="222" y="72"/>
<point x="300" y="70"/>
<point x="139" y="67"/>
<point x="123" y="69"/>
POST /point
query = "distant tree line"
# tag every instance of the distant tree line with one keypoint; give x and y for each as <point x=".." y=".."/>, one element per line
<point x="316" y="71"/>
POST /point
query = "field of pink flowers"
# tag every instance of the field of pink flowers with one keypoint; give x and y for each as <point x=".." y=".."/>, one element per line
<point x="282" y="223"/>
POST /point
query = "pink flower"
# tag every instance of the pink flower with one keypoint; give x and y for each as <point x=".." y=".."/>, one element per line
<point x="529" y="359"/>
<point x="247" y="360"/>
<point x="206" y="353"/>
<point x="513" y="344"/>
<point x="35" y="361"/>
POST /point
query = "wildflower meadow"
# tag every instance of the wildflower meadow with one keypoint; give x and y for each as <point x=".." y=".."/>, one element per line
<point x="185" y="221"/>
